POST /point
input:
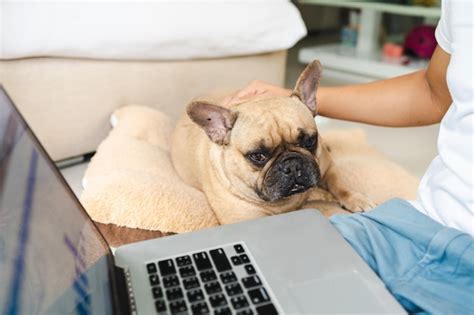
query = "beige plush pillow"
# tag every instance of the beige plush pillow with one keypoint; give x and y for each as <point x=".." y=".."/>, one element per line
<point x="130" y="181"/>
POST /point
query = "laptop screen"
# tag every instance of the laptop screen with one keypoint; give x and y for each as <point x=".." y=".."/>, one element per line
<point x="52" y="258"/>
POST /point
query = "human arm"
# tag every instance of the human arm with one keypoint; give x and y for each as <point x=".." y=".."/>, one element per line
<point x="416" y="99"/>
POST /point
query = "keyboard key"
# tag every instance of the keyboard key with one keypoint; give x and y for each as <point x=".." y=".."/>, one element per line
<point x="187" y="271"/>
<point x="160" y="306"/>
<point x="208" y="275"/>
<point x="183" y="261"/>
<point x="239" y="302"/>
<point x="195" y="295"/>
<point x="258" y="296"/>
<point x="170" y="281"/>
<point x="267" y="309"/>
<point x="202" y="261"/>
<point x="151" y="268"/>
<point x="157" y="292"/>
<point x="217" y="300"/>
<point x="190" y="283"/>
<point x="178" y="307"/>
<point x="212" y="287"/>
<point x="250" y="269"/>
<point x="245" y="259"/>
<point x="154" y="280"/>
<point x="200" y="308"/>
<point x="233" y="289"/>
<point x="228" y="277"/>
<point x="251" y="281"/>
<point x="239" y="249"/>
<point x="220" y="260"/>
<point x="166" y="267"/>
<point x="236" y="260"/>
<point x="247" y="311"/>
<point x="174" y="294"/>
<point x="223" y="311"/>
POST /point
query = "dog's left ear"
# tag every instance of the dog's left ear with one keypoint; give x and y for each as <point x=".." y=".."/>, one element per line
<point x="307" y="84"/>
<point x="216" y="121"/>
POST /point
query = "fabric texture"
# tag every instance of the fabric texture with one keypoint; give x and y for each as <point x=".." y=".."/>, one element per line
<point x="428" y="267"/>
<point x="131" y="182"/>
<point x="446" y="192"/>
<point x="442" y="32"/>
<point x="147" y="30"/>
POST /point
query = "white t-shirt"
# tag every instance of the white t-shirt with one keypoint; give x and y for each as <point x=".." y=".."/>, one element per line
<point x="446" y="192"/>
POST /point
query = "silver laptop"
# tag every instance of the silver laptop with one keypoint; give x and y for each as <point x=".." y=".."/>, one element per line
<point x="53" y="259"/>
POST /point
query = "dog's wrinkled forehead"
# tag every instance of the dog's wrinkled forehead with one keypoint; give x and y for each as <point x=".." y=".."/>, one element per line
<point x="271" y="122"/>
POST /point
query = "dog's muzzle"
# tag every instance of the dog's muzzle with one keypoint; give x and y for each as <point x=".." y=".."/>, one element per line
<point x="290" y="174"/>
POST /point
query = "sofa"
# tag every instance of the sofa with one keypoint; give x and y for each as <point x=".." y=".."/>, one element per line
<point x="68" y="65"/>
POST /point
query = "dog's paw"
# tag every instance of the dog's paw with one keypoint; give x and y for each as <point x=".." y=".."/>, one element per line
<point x="357" y="202"/>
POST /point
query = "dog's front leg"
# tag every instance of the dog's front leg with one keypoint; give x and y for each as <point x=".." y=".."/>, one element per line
<point x="349" y="199"/>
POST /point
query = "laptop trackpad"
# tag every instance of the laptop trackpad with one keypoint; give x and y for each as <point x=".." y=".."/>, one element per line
<point x="345" y="293"/>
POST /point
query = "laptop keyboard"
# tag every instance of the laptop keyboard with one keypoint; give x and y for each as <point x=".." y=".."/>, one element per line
<point x="218" y="281"/>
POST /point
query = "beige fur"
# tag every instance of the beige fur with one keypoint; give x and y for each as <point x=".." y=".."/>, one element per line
<point x="205" y="168"/>
<point x="210" y="141"/>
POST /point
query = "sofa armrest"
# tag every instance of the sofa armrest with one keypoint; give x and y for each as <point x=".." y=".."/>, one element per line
<point x="68" y="102"/>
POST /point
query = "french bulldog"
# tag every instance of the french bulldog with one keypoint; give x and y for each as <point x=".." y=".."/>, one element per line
<point x="260" y="157"/>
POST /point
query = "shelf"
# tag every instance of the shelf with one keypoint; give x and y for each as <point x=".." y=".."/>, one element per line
<point x="347" y="60"/>
<point x="400" y="9"/>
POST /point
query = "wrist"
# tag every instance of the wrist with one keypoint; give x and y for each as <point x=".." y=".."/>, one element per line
<point x="320" y="101"/>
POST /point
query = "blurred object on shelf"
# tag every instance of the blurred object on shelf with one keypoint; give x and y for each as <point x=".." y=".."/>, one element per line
<point x="393" y="53"/>
<point x="425" y="3"/>
<point x="392" y="50"/>
<point x="421" y="41"/>
<point x="350" y="31"/>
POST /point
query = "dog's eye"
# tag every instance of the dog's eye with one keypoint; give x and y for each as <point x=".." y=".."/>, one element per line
<point x="258" y="158"/>
<point x="310" y="143"/>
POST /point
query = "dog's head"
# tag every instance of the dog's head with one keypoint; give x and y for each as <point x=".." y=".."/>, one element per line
<point x="267" y="149"/>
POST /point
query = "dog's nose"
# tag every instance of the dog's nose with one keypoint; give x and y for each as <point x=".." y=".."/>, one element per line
<point x="291" y="166"/>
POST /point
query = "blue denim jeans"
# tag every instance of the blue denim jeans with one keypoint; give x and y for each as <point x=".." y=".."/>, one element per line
<point x="429" y="268"/>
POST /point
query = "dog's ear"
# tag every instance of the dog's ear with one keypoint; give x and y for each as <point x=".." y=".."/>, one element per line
<point x="307" y="84"/>
<point x="216" y="121"/>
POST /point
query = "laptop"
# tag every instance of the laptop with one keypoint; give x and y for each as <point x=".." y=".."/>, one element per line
<point x="53" y="259"/>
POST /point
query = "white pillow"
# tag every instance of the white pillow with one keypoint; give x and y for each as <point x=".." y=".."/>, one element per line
<point x="160" y="30"/>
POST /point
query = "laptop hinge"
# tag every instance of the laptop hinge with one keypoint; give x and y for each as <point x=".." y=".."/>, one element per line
<point x="64" y="163"/>
<point x="125" y="301"/>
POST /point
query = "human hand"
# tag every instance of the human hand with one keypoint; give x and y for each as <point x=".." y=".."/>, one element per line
<point x="256" y="89"/>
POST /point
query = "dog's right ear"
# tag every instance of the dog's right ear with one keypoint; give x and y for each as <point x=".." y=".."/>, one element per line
<point x="216" y="121"/>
